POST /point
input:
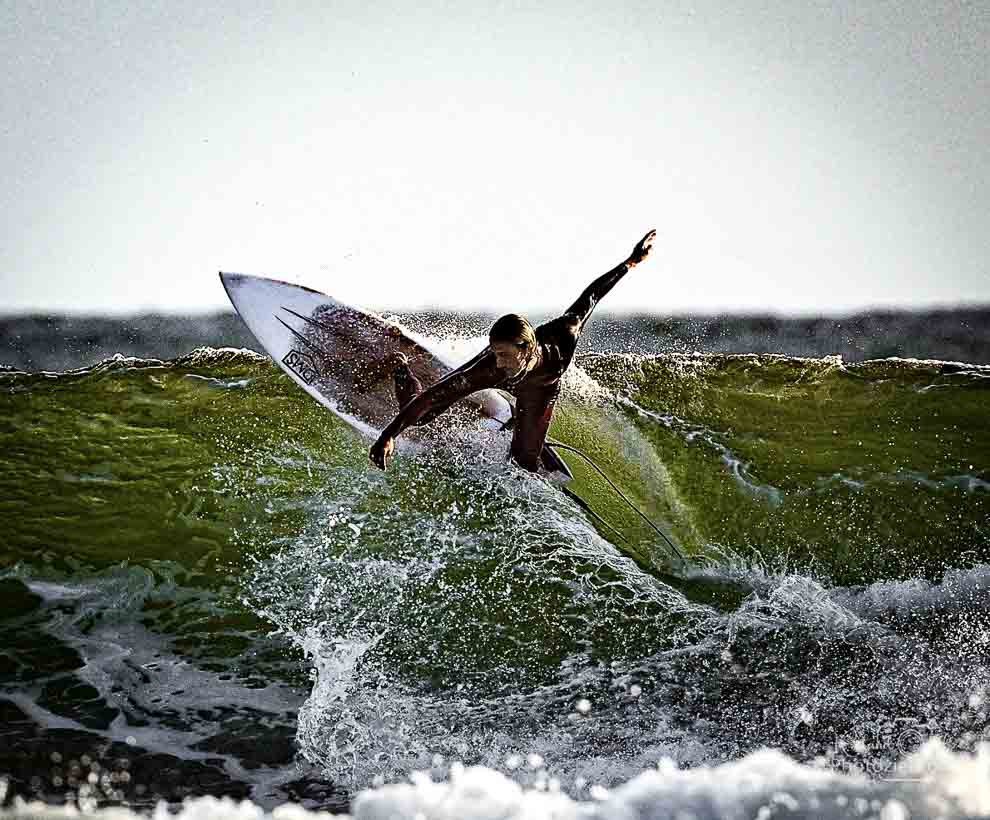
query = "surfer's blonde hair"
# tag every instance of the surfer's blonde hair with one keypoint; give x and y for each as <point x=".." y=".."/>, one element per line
<point x="516" y="329"/>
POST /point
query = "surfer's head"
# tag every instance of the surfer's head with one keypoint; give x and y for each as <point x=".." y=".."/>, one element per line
<point x="513" y="341"/>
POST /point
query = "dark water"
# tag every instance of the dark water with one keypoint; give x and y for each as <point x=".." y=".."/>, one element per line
<point x="960" y="334"/>
<point x="206" y="591"/>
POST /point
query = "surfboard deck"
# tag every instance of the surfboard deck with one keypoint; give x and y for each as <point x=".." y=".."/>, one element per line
<point x="340" y="354"/>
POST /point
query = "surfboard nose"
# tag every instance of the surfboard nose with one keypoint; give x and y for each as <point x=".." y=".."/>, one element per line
<point x="233" y="281"/>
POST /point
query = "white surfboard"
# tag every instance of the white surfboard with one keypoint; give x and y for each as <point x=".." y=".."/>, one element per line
<point x="336" y="352"/>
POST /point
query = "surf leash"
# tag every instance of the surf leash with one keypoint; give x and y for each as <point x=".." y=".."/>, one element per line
<point x="622" y="495"/>
<point x="584" y="505"/>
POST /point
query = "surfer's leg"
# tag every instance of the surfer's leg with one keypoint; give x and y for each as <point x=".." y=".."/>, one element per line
<point x="534" y="409"/>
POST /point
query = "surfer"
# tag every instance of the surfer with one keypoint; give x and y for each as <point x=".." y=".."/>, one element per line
<point x="524" y="361"/>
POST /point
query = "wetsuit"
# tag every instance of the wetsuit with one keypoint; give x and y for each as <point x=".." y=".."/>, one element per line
<point x="535" y="389"/>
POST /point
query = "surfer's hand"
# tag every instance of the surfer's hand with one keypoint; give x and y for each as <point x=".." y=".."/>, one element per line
<point x="381" y="452"/>
<point x="642" y="249"/>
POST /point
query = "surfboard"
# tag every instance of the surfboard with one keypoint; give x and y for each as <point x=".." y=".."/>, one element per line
<point x="339" y="354"/>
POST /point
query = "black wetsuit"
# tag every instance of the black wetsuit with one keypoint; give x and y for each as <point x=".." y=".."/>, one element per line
<point x="535" y="389"/>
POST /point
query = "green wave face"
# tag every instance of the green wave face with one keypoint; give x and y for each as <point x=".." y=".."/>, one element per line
<point x="854" y="472"/>
<point x="143" y="460"/>
<point x="880" y="469"/>
<point x="457" y="601"/>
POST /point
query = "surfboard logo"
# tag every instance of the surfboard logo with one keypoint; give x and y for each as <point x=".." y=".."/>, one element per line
<point x="300" y="364"/>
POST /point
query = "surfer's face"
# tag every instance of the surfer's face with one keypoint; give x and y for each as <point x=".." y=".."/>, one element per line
<point x="510" y="356"/>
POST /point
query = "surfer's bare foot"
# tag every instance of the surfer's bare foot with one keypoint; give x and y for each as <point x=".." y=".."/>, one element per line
<point x="370" y="375"/>
<point x="407" y="386"/>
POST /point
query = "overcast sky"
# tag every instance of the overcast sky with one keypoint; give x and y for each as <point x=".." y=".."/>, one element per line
<point x="794" y="156"/>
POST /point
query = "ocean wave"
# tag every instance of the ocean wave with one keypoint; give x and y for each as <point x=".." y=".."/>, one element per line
<point x="198" y="529"/>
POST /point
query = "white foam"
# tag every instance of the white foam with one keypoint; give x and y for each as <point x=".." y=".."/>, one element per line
<point x="933" y="782"/>
<point x="959" y="589"/>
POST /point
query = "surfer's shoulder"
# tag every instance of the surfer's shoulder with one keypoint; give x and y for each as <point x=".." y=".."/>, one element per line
<point x="569" y="324"/>
<point x="558" y="339"/>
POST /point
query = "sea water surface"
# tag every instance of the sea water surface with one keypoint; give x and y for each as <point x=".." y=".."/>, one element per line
<point x="206" y="592"/>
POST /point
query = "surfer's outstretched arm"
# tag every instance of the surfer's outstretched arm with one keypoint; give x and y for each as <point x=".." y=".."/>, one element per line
<point x="593" y="294"/>
<point x="478" y="374"/>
